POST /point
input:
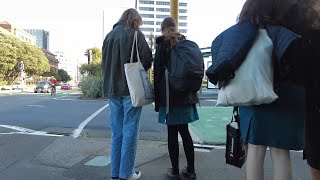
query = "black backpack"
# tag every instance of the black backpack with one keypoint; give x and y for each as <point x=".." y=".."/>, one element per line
<point x="186" y="67"/>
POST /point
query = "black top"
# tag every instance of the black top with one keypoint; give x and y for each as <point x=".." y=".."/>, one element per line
<point x="162" y="57"/>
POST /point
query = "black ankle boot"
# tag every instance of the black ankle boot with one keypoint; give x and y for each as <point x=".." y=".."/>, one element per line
<point x="189" y="175"/>
<point x="173" y="176"/>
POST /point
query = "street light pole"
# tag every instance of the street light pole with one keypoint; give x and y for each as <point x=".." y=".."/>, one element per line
<point x="21" y="75"/>
<point x="174" y="10"/>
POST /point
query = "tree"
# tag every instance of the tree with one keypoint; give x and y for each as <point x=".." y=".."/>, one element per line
<point x="12" y="51"/>
<point x="63" y="76"/>
<point x="94" y="68"/>
<point x="50" y="73"/>
<point x="91" y="69"/>
<point x="96" y="55"/>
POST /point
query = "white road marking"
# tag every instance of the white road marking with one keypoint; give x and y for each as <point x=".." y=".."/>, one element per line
<point x="211" y="100"/>
<point x="76" y="133"/>
<point x="23" y="130"/>
<point x="17" y="128"/>
<point x="39" y="106"/>
<point x="35" y="133"/>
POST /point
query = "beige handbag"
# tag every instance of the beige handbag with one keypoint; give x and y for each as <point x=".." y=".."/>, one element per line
<point x="140" y="88"/>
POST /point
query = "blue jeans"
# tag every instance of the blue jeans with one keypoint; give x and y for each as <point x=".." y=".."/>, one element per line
<point x="124" y="121"/>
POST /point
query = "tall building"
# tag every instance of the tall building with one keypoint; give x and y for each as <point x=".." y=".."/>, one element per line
<point x="19" y="33"/>
<point x="42" y="37"/>
<point x="53" y="61"/>
<point x="66" y="64"/>
<point x="154" y="11"/>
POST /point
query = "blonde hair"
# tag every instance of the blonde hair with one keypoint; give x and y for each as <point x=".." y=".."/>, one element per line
<point x="131" y="18"/>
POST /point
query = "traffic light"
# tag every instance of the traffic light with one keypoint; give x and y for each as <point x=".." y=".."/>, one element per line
<point x="89" y="56"/>
<point x="21" y="66"/>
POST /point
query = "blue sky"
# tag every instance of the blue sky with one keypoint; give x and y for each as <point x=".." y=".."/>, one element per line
<point x="76" y="25"/>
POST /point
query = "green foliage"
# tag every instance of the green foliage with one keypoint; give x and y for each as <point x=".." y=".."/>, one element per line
<point x="91" y="87"/>
<point x="50" y="73"/>
<point x="63" y="76"/>
<point x="12" y="51"/>
<point x="96" y="55"/>
<point x="91" y="69"/>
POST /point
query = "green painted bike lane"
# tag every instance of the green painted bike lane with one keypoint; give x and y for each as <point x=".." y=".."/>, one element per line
<point x="66" y="93"/>
<point x="211" y="126"/>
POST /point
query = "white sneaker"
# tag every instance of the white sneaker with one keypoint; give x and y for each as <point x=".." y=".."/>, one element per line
<point x="136" y="175"/>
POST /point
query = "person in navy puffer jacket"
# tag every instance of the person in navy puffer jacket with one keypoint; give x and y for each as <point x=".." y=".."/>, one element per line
<point x="280" y="124"/>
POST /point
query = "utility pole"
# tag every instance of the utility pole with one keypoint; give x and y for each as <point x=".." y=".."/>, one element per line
<point x="136" y="4"/>
<point x="174" y="10"/>
<point x="102" y="25"/>
<point x="21" y="75"/>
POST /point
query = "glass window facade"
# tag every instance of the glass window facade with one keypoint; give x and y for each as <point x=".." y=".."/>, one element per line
<point x="183" y="4"/>
<point x="182" y="30"/>
<point x="163" y="10"/>
<point x="163" y="3"/>
<point x="158" y="30"/>
<point x="158" y="23"/>
<point x="147" y="15"/>
<point x="162" y="16"/>
<point x="147" y="29"/>
<point x="183" y="17"/>
<point x="182" y="11"/>
<point x="183" y="24"/>
<point x="146" y="9"/>
<point x="146" y="2"/>
<point x="148" y="22"/>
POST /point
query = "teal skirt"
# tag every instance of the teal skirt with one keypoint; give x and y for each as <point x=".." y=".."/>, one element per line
<point x="178" y="115"/>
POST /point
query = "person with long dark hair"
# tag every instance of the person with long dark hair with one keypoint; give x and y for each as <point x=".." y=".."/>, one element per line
<point x="124" y="118"/>
<point x="182" y="108"/>
<point x="280" y="124"/>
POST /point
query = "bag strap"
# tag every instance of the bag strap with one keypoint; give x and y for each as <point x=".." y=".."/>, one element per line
<point x="167" y="91"/>
<point x="135" y="41"/>
<point x="235" y="115"/>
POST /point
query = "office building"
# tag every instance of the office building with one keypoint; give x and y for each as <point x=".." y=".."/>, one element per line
<point x="66" y="64"/>
<point x="53" y="61"/>
<point x="42" y="37"/>
<point x="154" y="11"/>
<point x="18" y="33"/>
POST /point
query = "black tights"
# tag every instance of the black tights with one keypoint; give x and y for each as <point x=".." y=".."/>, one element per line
<point x="173" y="146"/>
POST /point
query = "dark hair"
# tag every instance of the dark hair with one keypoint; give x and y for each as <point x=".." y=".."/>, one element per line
<point x="168" y="24"/>
<point x="131" y="18"/>
<point x="262" y="12"/>
<point x="304" y="17"/>
<point x="170" y="32"/>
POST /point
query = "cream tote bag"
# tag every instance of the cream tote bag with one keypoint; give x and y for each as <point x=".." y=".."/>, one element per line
<point x="140" y="88"/>
<point x="253" y="82"/>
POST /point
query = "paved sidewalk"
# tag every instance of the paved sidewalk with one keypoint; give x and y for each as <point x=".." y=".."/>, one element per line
<point x="65" y="158"/>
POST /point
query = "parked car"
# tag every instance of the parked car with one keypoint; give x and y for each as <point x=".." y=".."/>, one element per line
<point x="17" y="86"/>
<point x="43" y="86"/>
<point x="66" y="86"/>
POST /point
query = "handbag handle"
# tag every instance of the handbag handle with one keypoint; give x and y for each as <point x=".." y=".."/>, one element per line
<point x="135" y="41"/>
<point x="235" y="117"/>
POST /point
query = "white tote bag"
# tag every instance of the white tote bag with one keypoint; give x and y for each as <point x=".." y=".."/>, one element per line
<point x="253" y="82"/>
<point x="139" y="85"/>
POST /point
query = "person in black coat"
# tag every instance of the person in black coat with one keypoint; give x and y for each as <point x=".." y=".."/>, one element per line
<point x="304" y="19"/>
<point x="182" y="106"/>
